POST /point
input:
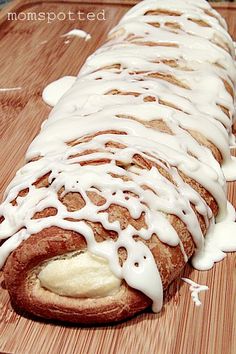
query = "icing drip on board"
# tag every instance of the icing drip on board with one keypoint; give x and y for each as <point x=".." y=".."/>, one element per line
<point x="195" y="290"/>
<point x="221" y="238"/>
<point x="78" y="33"/>
<point x="10" y="89"/>
<point x="56" y="89"/>
<point x="155" y="69"/>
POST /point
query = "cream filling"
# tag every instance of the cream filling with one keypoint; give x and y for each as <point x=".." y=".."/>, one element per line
<point x="82" y="275"/>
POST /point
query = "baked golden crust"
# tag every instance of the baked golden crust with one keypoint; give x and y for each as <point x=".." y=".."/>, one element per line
<point x="21" y="280"/>
<point x="24" y="264"/>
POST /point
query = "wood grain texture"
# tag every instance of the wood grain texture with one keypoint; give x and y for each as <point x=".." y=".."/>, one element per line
<point x="28" y="62"/>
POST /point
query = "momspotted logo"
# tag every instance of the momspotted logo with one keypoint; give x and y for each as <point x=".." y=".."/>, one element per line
<point x="51" y="16"/>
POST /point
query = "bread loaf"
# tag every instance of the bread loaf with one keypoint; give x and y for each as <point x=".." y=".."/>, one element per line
<point x="127" y="176"/>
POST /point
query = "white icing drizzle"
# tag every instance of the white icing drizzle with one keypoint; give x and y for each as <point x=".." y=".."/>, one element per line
<point x="122" y="91"/>
<point x="232" y="141"/>
<point x="78" y="33"/>
<point x="195" y="290"/>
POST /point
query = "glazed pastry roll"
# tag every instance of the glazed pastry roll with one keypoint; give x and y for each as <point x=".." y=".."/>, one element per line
<point x="127" y="175"/>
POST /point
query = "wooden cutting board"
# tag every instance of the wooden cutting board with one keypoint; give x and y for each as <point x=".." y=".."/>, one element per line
<point x="32" y="54"/>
